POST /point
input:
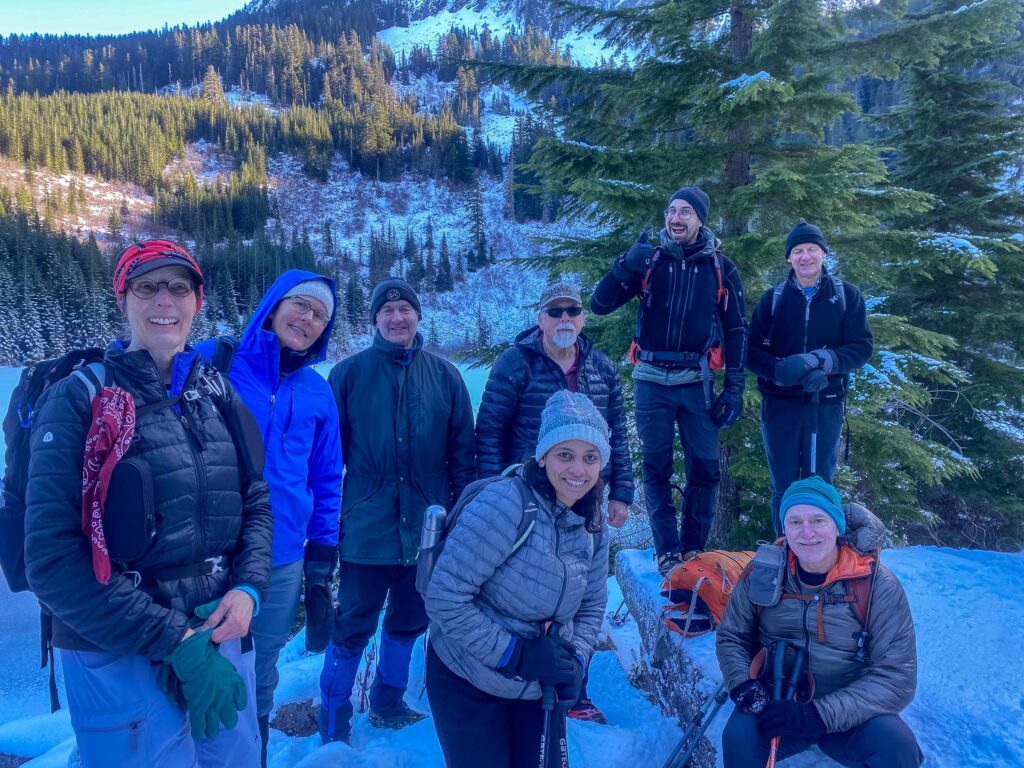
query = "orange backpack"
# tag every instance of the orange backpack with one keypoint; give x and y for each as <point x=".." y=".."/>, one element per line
<point x="698" y="590"/>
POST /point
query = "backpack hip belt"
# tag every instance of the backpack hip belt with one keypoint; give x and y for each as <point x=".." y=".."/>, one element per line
<point x="208" y="567"/>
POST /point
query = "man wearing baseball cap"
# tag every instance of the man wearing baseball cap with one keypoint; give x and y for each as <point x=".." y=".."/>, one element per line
<point x="807" y="335"/>
<point x="407" y="441"/>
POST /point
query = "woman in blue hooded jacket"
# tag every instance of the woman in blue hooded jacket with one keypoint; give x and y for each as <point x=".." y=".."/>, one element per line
<point x="273" y="372"/>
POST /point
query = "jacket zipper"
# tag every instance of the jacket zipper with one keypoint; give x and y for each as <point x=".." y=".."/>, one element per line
<point x="807" y="318"/>
<point x="197" y="464"/>
<point x="565" y="571"/>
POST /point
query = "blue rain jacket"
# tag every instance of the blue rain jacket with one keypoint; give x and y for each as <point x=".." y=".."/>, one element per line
<point x="299" y="421"/>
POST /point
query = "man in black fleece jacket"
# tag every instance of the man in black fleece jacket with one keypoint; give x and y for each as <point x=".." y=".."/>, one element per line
<point x="806" y="336"/>
<point x="691" y="301"/>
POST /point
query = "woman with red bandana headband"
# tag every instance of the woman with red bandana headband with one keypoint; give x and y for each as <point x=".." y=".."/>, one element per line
<point x="149" y="537"/>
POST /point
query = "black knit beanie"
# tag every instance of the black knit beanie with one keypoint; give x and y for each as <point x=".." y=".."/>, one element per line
<point x="697" y="198"/>
<point x="393" y="289"/>
<point x="804" y="233"/>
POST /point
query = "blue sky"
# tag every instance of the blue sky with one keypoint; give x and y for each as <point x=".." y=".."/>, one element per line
<point x="91" y="17"/>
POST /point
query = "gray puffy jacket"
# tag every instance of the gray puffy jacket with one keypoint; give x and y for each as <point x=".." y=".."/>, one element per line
<point x="480" y="598"/>
<point x="847" y="692"/>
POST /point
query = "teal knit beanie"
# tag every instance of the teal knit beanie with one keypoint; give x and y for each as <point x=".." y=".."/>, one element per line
<point x="816" y="492"/>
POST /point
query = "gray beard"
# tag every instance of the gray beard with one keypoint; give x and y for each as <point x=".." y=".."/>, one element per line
<point x="564" y="338"/>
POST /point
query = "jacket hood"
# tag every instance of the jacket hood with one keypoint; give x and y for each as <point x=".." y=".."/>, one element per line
<point x="274" y="294"/>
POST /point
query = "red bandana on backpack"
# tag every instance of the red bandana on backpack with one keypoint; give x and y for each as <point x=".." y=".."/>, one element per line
<point x="111" y="430"/>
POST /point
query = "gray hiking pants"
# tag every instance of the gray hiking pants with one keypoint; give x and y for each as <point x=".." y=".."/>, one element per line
<point x="270" y="628"/>
<point x="122" y="719"/>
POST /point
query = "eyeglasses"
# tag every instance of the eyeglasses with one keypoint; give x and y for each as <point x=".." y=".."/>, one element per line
<point x="302" y="307"/>
<point x="680" y="213"/>
<point x="178" y="287"/>
<point x="557" y="312"/>
<point x="816" y="522"/>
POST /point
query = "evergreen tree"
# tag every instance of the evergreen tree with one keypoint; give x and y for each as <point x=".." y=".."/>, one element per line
<point x="725" y="87"/>
<point x="444" y="282"/>
<point x="212" y="89"/>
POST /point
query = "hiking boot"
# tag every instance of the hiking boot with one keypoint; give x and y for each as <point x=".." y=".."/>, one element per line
<point x="397" y="718"/>
<point x="667" y="561"/>
<point x="692" y="554"/>
<point x="585" y="710"/>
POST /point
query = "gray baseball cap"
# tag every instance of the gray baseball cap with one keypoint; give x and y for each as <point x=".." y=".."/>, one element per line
<point x="560" y="290"/>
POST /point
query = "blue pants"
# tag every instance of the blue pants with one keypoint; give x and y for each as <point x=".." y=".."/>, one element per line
<point x="660" y="410"/>
<point x="122" y="719"/>
<point x="786" y="428"/>
<point x="270" y="628"/>
<point x="884" y="741"/>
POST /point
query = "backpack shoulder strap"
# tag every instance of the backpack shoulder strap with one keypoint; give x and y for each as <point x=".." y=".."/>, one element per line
<point x="526" y="525"/>
<point x="777" y="296"/>
<point x="95" y="376"/>
<point x="837" y="284"/>
<point x="224" y="354"/>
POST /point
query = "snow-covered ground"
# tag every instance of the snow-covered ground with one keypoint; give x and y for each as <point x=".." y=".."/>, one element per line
<point x="968" y="713"/>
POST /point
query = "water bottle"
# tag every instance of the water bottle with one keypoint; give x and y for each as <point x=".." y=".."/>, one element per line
<point x="433" y="532"/>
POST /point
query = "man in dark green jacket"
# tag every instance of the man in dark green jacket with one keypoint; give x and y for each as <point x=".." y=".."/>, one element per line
<point x="407" y="441"/>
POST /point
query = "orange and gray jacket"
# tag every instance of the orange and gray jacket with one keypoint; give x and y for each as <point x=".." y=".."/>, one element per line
<point x="847" y="692"/>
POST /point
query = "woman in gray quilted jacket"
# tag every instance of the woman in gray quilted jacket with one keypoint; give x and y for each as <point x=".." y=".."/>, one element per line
<point x="507" y="620"/>
<point x="847" y="617"/>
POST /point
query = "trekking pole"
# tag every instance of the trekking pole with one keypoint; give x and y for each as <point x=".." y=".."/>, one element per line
<point x="814" y="433"/>
<point x="778" y="677"/>
<point x="547" y="704"/>
<point x="681" y="755"/>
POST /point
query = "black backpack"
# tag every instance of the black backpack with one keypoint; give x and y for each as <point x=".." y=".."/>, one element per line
<point x="34" y="380"/>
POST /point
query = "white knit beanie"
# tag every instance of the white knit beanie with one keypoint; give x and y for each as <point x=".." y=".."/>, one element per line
<point x="572" y="416"/>
<point x="315" y="289"/>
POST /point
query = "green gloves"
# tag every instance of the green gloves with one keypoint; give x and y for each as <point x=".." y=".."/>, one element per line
<point x="196" y="677"/>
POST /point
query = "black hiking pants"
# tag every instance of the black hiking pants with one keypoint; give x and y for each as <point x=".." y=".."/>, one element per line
<point x="786" y="428"/>
<point x="660" y="410"/>
<point x="476" y="728"/>
<point x="885" y="741"/>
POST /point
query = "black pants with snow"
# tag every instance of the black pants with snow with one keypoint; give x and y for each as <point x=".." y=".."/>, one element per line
<point x="476" y="728"/>
<point x="660" y="410"/>
<point x="362" y="591"/>
<point x="786" y="428"/>
<point x="884" y="741"/>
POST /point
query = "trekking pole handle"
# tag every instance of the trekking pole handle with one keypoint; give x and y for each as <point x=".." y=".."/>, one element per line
<point x="547" y="698"/>
<point x="799" y="663"/>
<point x="778" y="668"/>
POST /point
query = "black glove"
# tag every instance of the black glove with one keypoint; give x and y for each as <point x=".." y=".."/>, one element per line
<point x="727" y="408"/>
<point x="546" y="659"/>
<point x="318" y="568"/>
<point x="750" y="697"/>
<point x="790" y="370"/>
<point x="638" y="255"/>
<point x="791" y="718"/>
<point x="815" y="381"/>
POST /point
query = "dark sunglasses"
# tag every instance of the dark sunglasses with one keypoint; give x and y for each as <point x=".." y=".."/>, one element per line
<point x="178" y="287"/>
<point x="557" y="312"/>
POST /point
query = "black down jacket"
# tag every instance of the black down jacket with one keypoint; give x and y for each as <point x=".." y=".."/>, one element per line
<point x="519" y="385"/>
<point x="799" y="325"/>
<point x="199" y="508"/>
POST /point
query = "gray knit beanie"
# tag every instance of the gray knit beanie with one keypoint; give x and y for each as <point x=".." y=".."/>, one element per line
<point x="572" y="416"/>
<point x="314" y="289"/>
